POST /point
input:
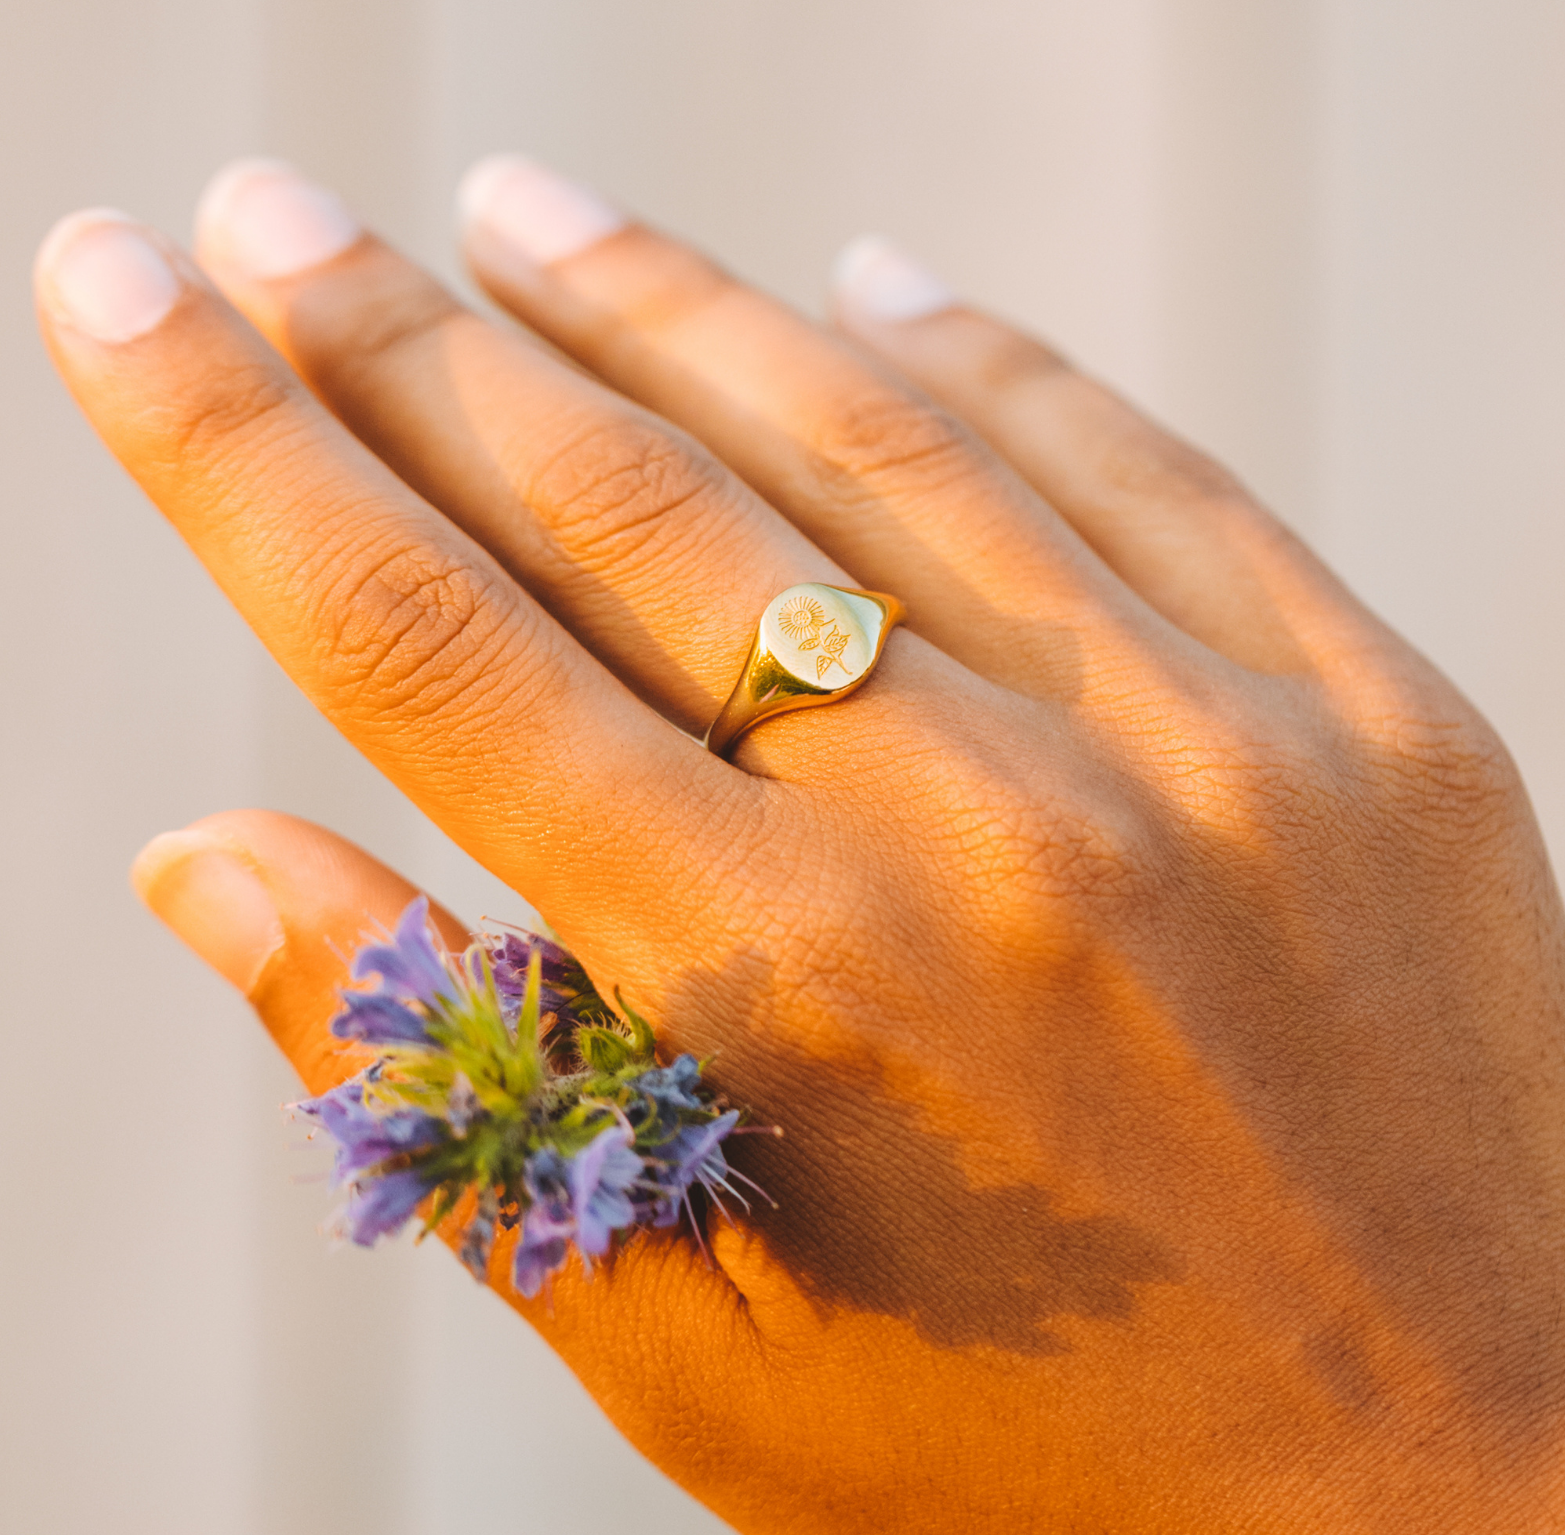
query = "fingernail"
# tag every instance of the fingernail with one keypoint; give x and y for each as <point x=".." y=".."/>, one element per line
<point x="541" y="215"/>
<point x="103" y="276"/>
<point x="875" y="280"/>
<point x="265" y="218"/>
<point x="213" y="900"/>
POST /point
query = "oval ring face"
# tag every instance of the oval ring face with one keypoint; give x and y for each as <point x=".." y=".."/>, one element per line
<point x="817" y="635"/>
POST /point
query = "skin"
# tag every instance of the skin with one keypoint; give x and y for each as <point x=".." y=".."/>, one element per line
<point x="1155" y="967"/>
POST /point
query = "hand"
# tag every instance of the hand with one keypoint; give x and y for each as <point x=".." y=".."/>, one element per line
<point x="1155" y="966"/>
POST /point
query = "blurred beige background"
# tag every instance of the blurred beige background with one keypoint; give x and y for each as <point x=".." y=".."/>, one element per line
<point x="1325" y="238"/>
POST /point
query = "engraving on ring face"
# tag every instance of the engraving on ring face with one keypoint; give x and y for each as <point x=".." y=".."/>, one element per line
<point x="814" y="632"/>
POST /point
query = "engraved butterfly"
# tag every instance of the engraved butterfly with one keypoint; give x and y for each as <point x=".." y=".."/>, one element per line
<point x="804" y="621"/>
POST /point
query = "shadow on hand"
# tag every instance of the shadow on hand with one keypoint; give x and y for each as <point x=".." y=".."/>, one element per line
<point x="876" y="1213"/>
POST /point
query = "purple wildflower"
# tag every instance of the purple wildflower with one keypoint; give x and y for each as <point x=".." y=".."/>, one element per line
<point x="549" y="1224"/>
<point x="694" y="1155"/>
<point x="670" y="1088"/>
<point x="455" y="1114"/>
<point x="560" y="980"/>
<point x="583" y="1198"/>
<point x="412" y="976"/>
<point x="540" y="1252"/>
<point x="381" y="1205"/>
<point x="366" y="1139"/>
<point x="378" y="1019"/>
<point x="601" y="1174"/>
<point x="410" y="964"/>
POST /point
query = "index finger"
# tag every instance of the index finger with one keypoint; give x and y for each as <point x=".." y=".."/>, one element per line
<point x="401" y="629"/>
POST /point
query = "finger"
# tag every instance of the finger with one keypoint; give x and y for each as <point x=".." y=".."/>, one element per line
<point x="1174" y="525"/>
<point x="890" y="486"/>
<point x="273" y="903"/>
<point x="399" y="627"/>
<point x="652" y="553"/>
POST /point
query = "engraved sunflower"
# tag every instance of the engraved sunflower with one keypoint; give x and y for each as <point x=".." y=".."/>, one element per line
<point x="801" y="617"/>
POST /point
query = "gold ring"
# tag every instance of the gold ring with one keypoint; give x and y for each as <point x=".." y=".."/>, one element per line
<point x="814" y="645"/>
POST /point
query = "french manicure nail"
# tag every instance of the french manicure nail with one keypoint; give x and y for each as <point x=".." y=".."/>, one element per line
<point x="876" y="280"/>
<point x="537" y="213"/>
<point x="213" y="900"/>
<point x="103" y="276"/>
<point x="263" y="216"/>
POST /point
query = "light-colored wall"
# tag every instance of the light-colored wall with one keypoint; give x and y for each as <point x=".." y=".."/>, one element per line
<point x="1326" y="238"/>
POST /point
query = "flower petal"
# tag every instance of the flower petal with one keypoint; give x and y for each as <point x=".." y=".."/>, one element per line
<point x="364" y="1137"/>
<point x="600" y="1176"/>
<point x="378" y="1207"/>
<point x="541" y="1249"/>
<point x="694" y="1155"/>
<point x="410" y="966"/>
<point x="378" y="1019"/>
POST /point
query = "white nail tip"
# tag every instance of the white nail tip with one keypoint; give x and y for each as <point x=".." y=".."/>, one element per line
<point x="875" y="279"/>
<point x="212" y="207"/>
<point x="104" y="276"/>
<point x="268" y="220"/>
<point x="539" y="214"/>
<point x="480" y="182"/>
<point x="65" y="231"/>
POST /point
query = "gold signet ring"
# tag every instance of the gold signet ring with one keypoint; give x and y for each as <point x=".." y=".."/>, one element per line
<point x="814" y="645"/>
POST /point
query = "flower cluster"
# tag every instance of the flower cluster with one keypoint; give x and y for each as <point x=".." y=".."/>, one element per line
<point x="501" y="1071"/>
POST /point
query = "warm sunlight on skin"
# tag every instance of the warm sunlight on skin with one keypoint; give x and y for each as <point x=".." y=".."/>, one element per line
<point x="1155" y="967"/>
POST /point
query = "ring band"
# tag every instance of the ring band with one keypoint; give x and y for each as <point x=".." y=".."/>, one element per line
<point x="813" y="645"/>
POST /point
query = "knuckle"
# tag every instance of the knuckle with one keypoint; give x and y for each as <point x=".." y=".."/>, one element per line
<point x="882" y="433"/>
<point x="1146" y="465"/>
<point x="1243" y="770"/>
<point x="676" y="287"/>
<point x="1422" y="743"/>
<point x="1008" y="363"/>
<point x="1407" y="753"/>
<point x="1027" y="841"/>
<point x="407" y="634"/>
<point x="1026" y="854"/>
<point x="1440" y="763"/>
<point x="1142" y="462"/>
<point x="391" y="319"/>
<point x="241" y="407"/>
<point x="621" y="489"/>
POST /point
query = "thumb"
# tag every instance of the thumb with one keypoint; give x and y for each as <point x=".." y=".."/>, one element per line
<point x="274" y="904"/>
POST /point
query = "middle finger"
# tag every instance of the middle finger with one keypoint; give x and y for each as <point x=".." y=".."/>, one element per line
<point x="877" y="475"/>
